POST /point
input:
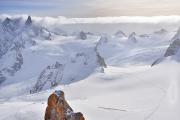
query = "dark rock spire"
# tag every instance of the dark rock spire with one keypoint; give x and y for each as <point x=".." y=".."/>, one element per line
<point x="28" y="21"/>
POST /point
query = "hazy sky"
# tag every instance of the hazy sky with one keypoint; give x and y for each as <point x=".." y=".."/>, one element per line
<point x="91" y="8"/>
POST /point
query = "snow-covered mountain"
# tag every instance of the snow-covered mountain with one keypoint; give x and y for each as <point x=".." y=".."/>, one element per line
<point x="174" y="47"/>
<point x="173" y="51"/>
<point x="15" y="38"/>
<point x="57" y="59"/>
<point x="105" y="76"/>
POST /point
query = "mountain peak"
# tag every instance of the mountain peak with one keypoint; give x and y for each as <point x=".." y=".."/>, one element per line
<point x="177" y="35"/>
<point x="174" y="47"/>
<point x="132" y="37"/>
<point x="82" y="35"/>
<point x="28" y="21"/>
<point x="7" y="21"/>
<point x="120" y="34"/>
<point x="132" y="34"/>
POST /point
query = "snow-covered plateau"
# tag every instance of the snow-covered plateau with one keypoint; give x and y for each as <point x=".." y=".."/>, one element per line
<point x="108" y="70"/>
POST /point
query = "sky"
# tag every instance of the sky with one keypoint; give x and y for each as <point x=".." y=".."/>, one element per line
<point x="91" y="8"/>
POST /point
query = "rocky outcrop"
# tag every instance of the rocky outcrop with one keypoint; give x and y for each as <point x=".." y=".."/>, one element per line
<point x="8" y="31"/>
<point x="100" y="60"/>
<point x="82" y="35"/>
<point x="120" y="34"/>
<point x="172" y="50"/>
<point x="157" y="62"/>
<point x="17" y="65"/>
<point x="59" y="109"/>
<point x="15" y="36"/>
<point x="132" y="37"/>
<point x="80" y="55"/>
<point x="10" y="25"/>
<point x="174" y="47"/>
<point x="11" y="38"/>
<point x="2" y="77"/>
<point x="28" y="21"/>
<point x="49" y="77"/>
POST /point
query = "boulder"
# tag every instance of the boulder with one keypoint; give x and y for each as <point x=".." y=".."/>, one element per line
<point x="59" y="109"/>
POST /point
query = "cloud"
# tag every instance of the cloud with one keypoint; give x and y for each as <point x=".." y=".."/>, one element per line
<point x="108" y="25"/>
<point x="103" y="20"/>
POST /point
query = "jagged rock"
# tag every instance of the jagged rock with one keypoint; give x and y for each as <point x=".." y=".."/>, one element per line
<point x="16" y="66"/>
<point x="83" y="55"/>
<point x="172" y="50"/>
<point x="59" y="109"/>
<point x="9" y="32"/>
<point x="28" y="21"/>
<point x="51" y="76"/>
<point x="120" y="34"/>
<point x="104" y="39"/>
<point x="2" y="78"/>
<point x="10" y="25"/>
<point x="157" y="62"/>
<point x="174" y="47"/>
<point x="132" y="37"/>
<point x="82" y="35"/>
<point x="6" y="22"/>
<point x="100" y="60"/>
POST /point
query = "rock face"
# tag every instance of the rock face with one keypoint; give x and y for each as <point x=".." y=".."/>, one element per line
<point x="132" y="37"/>
<point x="28" y="21"/>
<point x="2" y="77"/>
<point x="14" y="36"/>
<point x="120" y="34"/>
<point x="16" y="66"/>
<point x="59" y="109"/>
<point x="174" y="47"/>
<point x="100" y="60"/>
<point x="8" y="32"/>
<point x="49" y="77"/>
<point x="172" y="50"/>
<point x="82" y="35"/>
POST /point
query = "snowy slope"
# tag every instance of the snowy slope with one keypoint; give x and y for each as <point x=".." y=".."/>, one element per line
<point x="103" y="76"/>
<point x="137" y="92"/>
